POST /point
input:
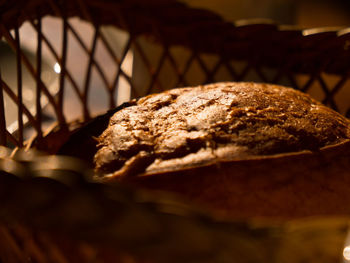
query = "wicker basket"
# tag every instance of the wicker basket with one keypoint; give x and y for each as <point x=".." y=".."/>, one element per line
<point x="54" y="214"/>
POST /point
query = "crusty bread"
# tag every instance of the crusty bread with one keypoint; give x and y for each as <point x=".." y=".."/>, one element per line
<point x="243" y="149"/>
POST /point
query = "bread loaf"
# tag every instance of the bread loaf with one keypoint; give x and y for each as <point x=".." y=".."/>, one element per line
<point x="242" y="149"/>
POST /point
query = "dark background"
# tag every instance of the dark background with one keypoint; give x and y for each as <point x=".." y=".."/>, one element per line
<point x="307" y="13"/>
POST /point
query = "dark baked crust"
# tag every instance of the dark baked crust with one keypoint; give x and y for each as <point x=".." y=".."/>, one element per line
<point x="280" y="186"/>
<point x="191" y="127"/>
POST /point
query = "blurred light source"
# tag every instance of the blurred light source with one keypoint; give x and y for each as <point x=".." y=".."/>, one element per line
<point x="57" y="68"/>
<point x="346" y="253"/>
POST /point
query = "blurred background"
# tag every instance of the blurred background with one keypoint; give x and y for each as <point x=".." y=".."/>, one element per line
<point x="307" y="13"/>
<point x="134" y="74"/>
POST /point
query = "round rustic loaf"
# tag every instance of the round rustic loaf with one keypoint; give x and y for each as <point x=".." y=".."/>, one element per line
<point x="241" y="149"/>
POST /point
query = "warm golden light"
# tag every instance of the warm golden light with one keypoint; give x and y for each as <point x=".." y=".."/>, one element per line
<point x="57" y="68"/>
<point x="346" y="253"/>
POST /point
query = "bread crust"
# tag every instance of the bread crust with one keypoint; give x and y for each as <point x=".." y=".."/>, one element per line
<point x="287" y="185"/>
<point x="196" y="126"/>
<point x="260" y="151"/>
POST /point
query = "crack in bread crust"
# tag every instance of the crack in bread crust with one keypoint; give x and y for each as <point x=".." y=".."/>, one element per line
<point x="194" y="126"/>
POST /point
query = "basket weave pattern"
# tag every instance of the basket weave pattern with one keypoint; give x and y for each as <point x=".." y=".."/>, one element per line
<point x="172" y="45"/>
<point x="211" y="50"/>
